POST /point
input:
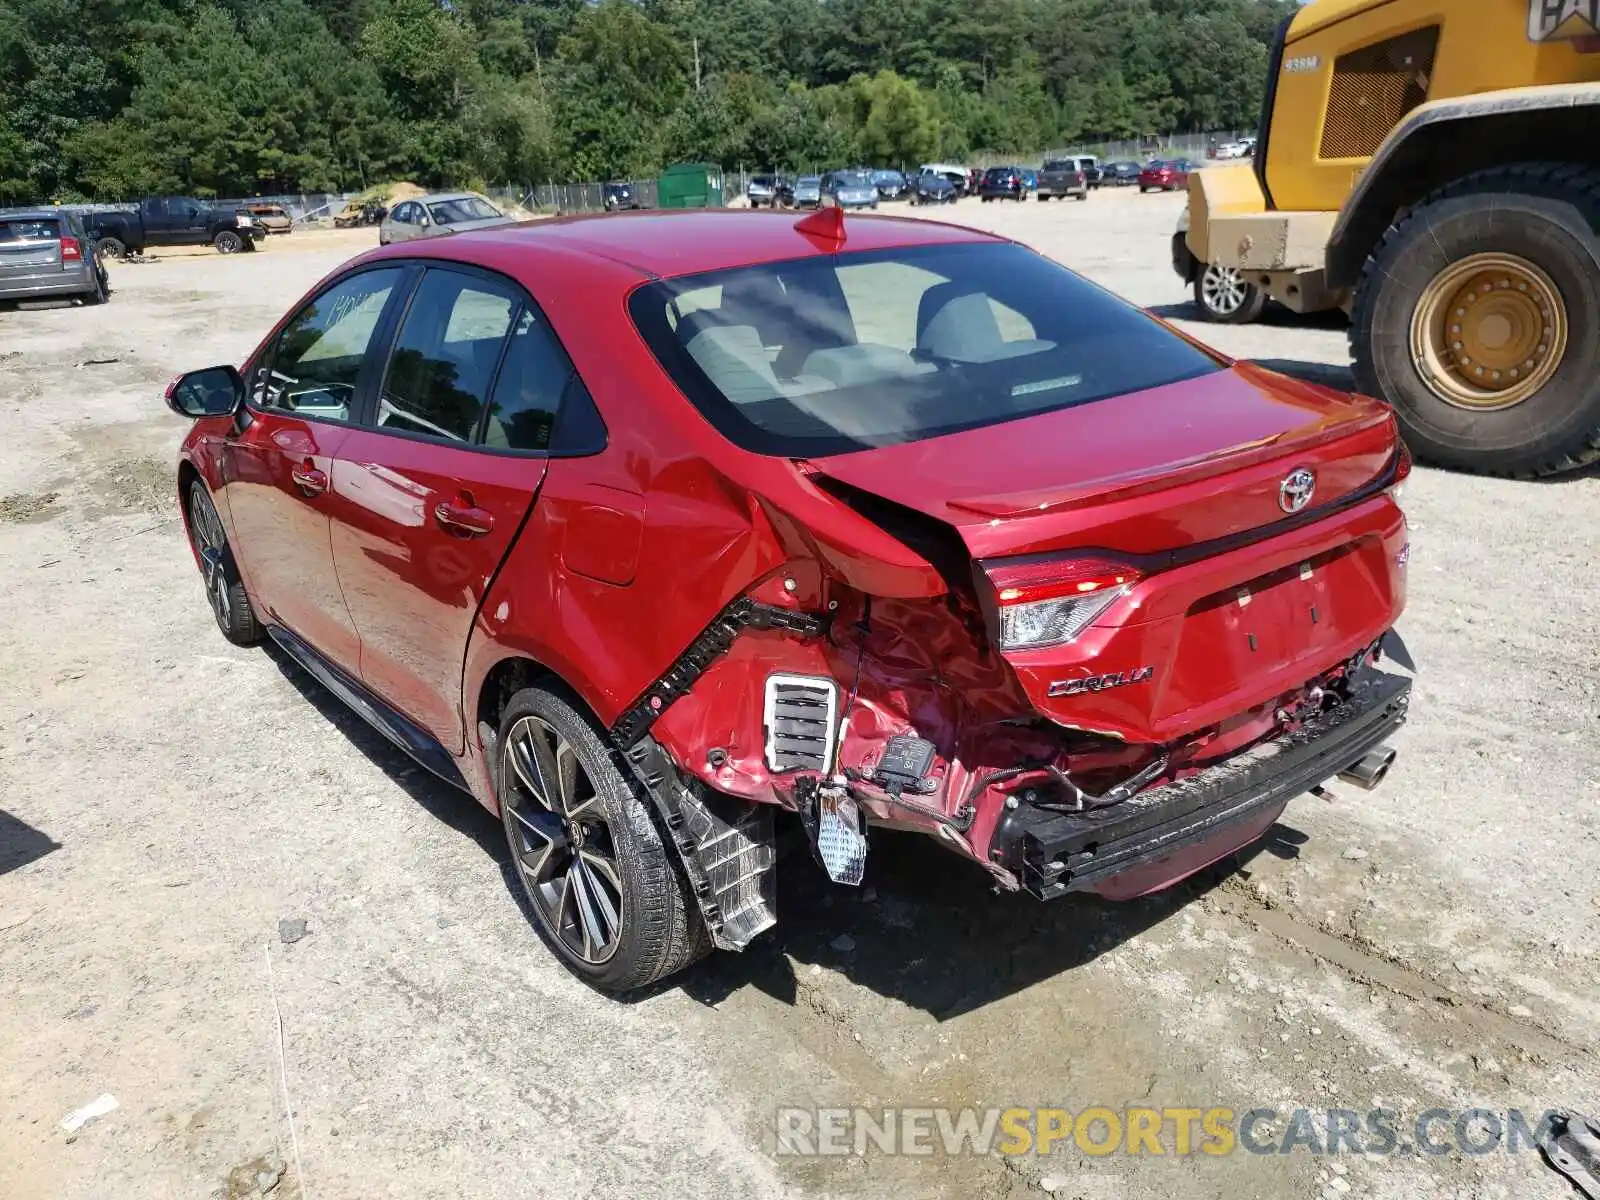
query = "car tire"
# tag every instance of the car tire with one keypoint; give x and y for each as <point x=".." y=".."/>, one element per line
<point x="602" y="887"/>
<point x="99" y="293"/>
<point x="1532" y="227"/>
<point x="230" y="604"/>
<point x="1224" y="298"/>
<point x="110" y="247"/>
<point x="228" y="242"/>
<point x="1084" y="195"/>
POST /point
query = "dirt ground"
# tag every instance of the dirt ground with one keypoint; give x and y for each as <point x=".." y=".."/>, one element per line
<point x="166" y="801"/>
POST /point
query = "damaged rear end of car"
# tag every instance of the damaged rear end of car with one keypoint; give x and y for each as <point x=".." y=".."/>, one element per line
<point x="1069" y="593"/>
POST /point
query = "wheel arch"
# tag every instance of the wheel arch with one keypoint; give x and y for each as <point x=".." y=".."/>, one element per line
<point x="510" y="675"/>
<point x="188" y="473"/>
<point x="1450" y="139"/>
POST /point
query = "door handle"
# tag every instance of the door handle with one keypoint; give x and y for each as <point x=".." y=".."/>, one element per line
<point x="308" y="479"/>
<point x="463" y="517"/>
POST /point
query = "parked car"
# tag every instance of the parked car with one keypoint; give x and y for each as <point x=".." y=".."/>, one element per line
<point x="1242" y="148"/>
<point x="761" y="189"/>
<point x="1120" y="174"/>
<point x="619" y="195"/>
<point x="1062" y="177"/>
<point x="960" y="178"/>
<point x="1090" y="166"/>
<point x="1164" y="175"/>
<point x="931" y="187"/>
<point x="171" y="221"/>
<point x="850" y="189"/>
<point x="360" y="212"/>
<point x="1002" y="183"/>
<point x="891" y="185"/>
<point x="273" y="218"/>
<point x="650" y="533"/>
<point x="1223" y="294"/>
<point x="436" y="215"/>
<point x="48" y="252"/>
<point x="807" y="191"/>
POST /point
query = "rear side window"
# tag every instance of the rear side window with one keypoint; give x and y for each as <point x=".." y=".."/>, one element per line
<point x="827" y="354"/>
<point x="29" y="230"/>
<point x="445" y="357"/>
<point x="476" y="363"/>
<point x="528" y="394"/>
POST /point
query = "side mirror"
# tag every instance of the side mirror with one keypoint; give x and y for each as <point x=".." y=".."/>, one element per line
<point x="213" y="392"/>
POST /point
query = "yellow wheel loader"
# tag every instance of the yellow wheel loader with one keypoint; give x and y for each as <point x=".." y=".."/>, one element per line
<point x="1433" y="168"/>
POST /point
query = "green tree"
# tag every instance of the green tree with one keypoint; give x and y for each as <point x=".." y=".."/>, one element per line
<point x="112" y="98"/>
<point x="895" y="122"/>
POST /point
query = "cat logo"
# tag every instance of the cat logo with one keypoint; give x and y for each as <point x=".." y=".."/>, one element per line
<point x="1563" y="20"/>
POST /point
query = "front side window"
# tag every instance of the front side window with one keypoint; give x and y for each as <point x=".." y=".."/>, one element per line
<point x="317" y="358"/>
<point x="827" y="354"/>
<point x="445" y="357"/>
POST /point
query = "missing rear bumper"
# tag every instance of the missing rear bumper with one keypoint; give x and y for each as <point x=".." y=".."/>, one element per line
<point x="1054" y="853"/>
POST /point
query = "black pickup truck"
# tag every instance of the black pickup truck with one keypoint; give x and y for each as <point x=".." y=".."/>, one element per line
<point x="171" y="221"/>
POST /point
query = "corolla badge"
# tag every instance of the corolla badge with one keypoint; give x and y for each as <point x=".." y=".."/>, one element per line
<point x="1100" y="683"/>
<point x="1295" y="492"/>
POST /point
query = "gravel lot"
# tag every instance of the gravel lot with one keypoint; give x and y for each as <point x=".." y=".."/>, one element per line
<point x="167" y="800"/>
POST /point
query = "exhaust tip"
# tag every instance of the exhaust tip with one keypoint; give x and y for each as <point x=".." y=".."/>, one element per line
<point x="1369" y="770"/>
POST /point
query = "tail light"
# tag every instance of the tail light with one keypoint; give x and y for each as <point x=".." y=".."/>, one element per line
<point x="71" y="251"/>
<point x="1041" y="601"/>
<point x="1402" y="472"/>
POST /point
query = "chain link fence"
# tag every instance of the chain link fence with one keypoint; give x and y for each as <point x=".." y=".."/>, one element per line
<point x="318" y="207"/>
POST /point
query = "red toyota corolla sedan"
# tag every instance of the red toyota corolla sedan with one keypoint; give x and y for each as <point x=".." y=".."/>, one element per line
<point x="647" y="528"/>
<point x="1164" y="175"/>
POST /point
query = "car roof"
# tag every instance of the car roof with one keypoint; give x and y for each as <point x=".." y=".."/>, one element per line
<point x="440" y="197"/>
<point x="659" y="244"/>
<point x="35" y="214"/>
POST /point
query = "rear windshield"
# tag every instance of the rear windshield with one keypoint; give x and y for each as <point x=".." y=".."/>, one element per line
<point x="28" y="229"/>
<point x="824" y="355"/>
<point x="1055" y="164"/>
<point x="852" y="179"/>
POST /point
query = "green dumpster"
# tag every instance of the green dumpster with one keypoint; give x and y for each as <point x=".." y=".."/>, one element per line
<point x="690" y="185"/>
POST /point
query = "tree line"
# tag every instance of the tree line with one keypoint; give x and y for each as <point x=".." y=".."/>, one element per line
<point x="111" y="99"/>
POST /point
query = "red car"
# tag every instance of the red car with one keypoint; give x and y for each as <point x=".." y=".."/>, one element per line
<point x="647" y="528"/>
<point x="1164" y="175"/>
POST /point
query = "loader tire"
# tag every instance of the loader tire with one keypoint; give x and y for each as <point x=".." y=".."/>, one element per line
<point x="1479" y="320"/>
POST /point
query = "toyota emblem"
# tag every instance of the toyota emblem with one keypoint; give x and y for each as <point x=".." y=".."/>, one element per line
<point x="1295" y="492"/>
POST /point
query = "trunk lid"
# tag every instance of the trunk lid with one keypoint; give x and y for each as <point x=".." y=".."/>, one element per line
<point x="1237" y="599"/>
<point x="1143" y="474"/>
